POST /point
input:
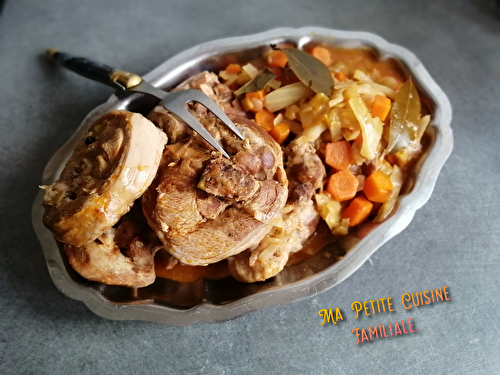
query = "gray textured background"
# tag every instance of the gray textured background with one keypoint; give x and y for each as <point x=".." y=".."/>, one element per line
<point x="453" y="240"/>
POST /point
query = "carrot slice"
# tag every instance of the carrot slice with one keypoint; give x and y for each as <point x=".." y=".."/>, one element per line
<point x="340" y="76"/>
<point x="339" y="155"/>
<point x="276" y="58"/>
<point x="280" y="132"/>
<point x="188" y="274"/>
<point x="322" y="54"/>
<point x="256" y="95"/>
<point x="233" y="68"/>
<point x="378" y="187"/>
<point x="265" y="119"/>
<point x="342" y="185"/>
<point x="358" y="211"/>
<point x="381" y="107"/>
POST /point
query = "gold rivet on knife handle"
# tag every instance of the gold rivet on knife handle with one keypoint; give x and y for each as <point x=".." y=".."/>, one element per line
<point x="51" y="52"/>
<point x="126" y="79"/>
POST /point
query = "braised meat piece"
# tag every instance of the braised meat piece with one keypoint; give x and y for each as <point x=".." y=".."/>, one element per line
<point x="109" y="169"/>
<point x="305" y="173"/>
<point x="304" y="169"/>
<point x="205" y="208"/>
<point x="122" y="255"/>
<point x="222" y="178"/>
<point x="209" y="84"/>
<point x="176" y="129"/>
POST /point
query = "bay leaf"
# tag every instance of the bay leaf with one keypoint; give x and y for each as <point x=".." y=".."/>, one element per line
<point x="257" y="83"/>
<point x="311" y="71"/>
<point x="405" y="115"/>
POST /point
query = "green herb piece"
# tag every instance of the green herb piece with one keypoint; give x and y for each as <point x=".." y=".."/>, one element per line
<point x="405" y="115"/>
<point x="257" y="83"/>
<point x="311" y="71"/>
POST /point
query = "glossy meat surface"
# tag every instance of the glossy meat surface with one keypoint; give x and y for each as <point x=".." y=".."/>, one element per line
<point x="109" y="169"/>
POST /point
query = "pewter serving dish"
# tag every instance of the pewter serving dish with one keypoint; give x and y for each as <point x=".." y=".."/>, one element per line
<point x="175" y="303"/>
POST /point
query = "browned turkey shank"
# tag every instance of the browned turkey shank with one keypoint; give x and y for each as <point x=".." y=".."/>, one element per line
<point x="205" y="208"/>
<point x="122" y="255"/>
<point x="305" y="172"/>
<point x="111" y="167"/>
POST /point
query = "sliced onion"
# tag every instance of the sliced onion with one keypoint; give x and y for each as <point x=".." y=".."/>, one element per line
<point x="371" y="128"/>
<point x="286" y="95"/>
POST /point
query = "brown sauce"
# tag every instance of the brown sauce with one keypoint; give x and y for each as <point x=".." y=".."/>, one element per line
<point x="365" y="59"/>
<point x="187" y="274"/>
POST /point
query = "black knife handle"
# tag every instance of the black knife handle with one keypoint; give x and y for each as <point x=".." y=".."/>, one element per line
<point x="83" y="66"/>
